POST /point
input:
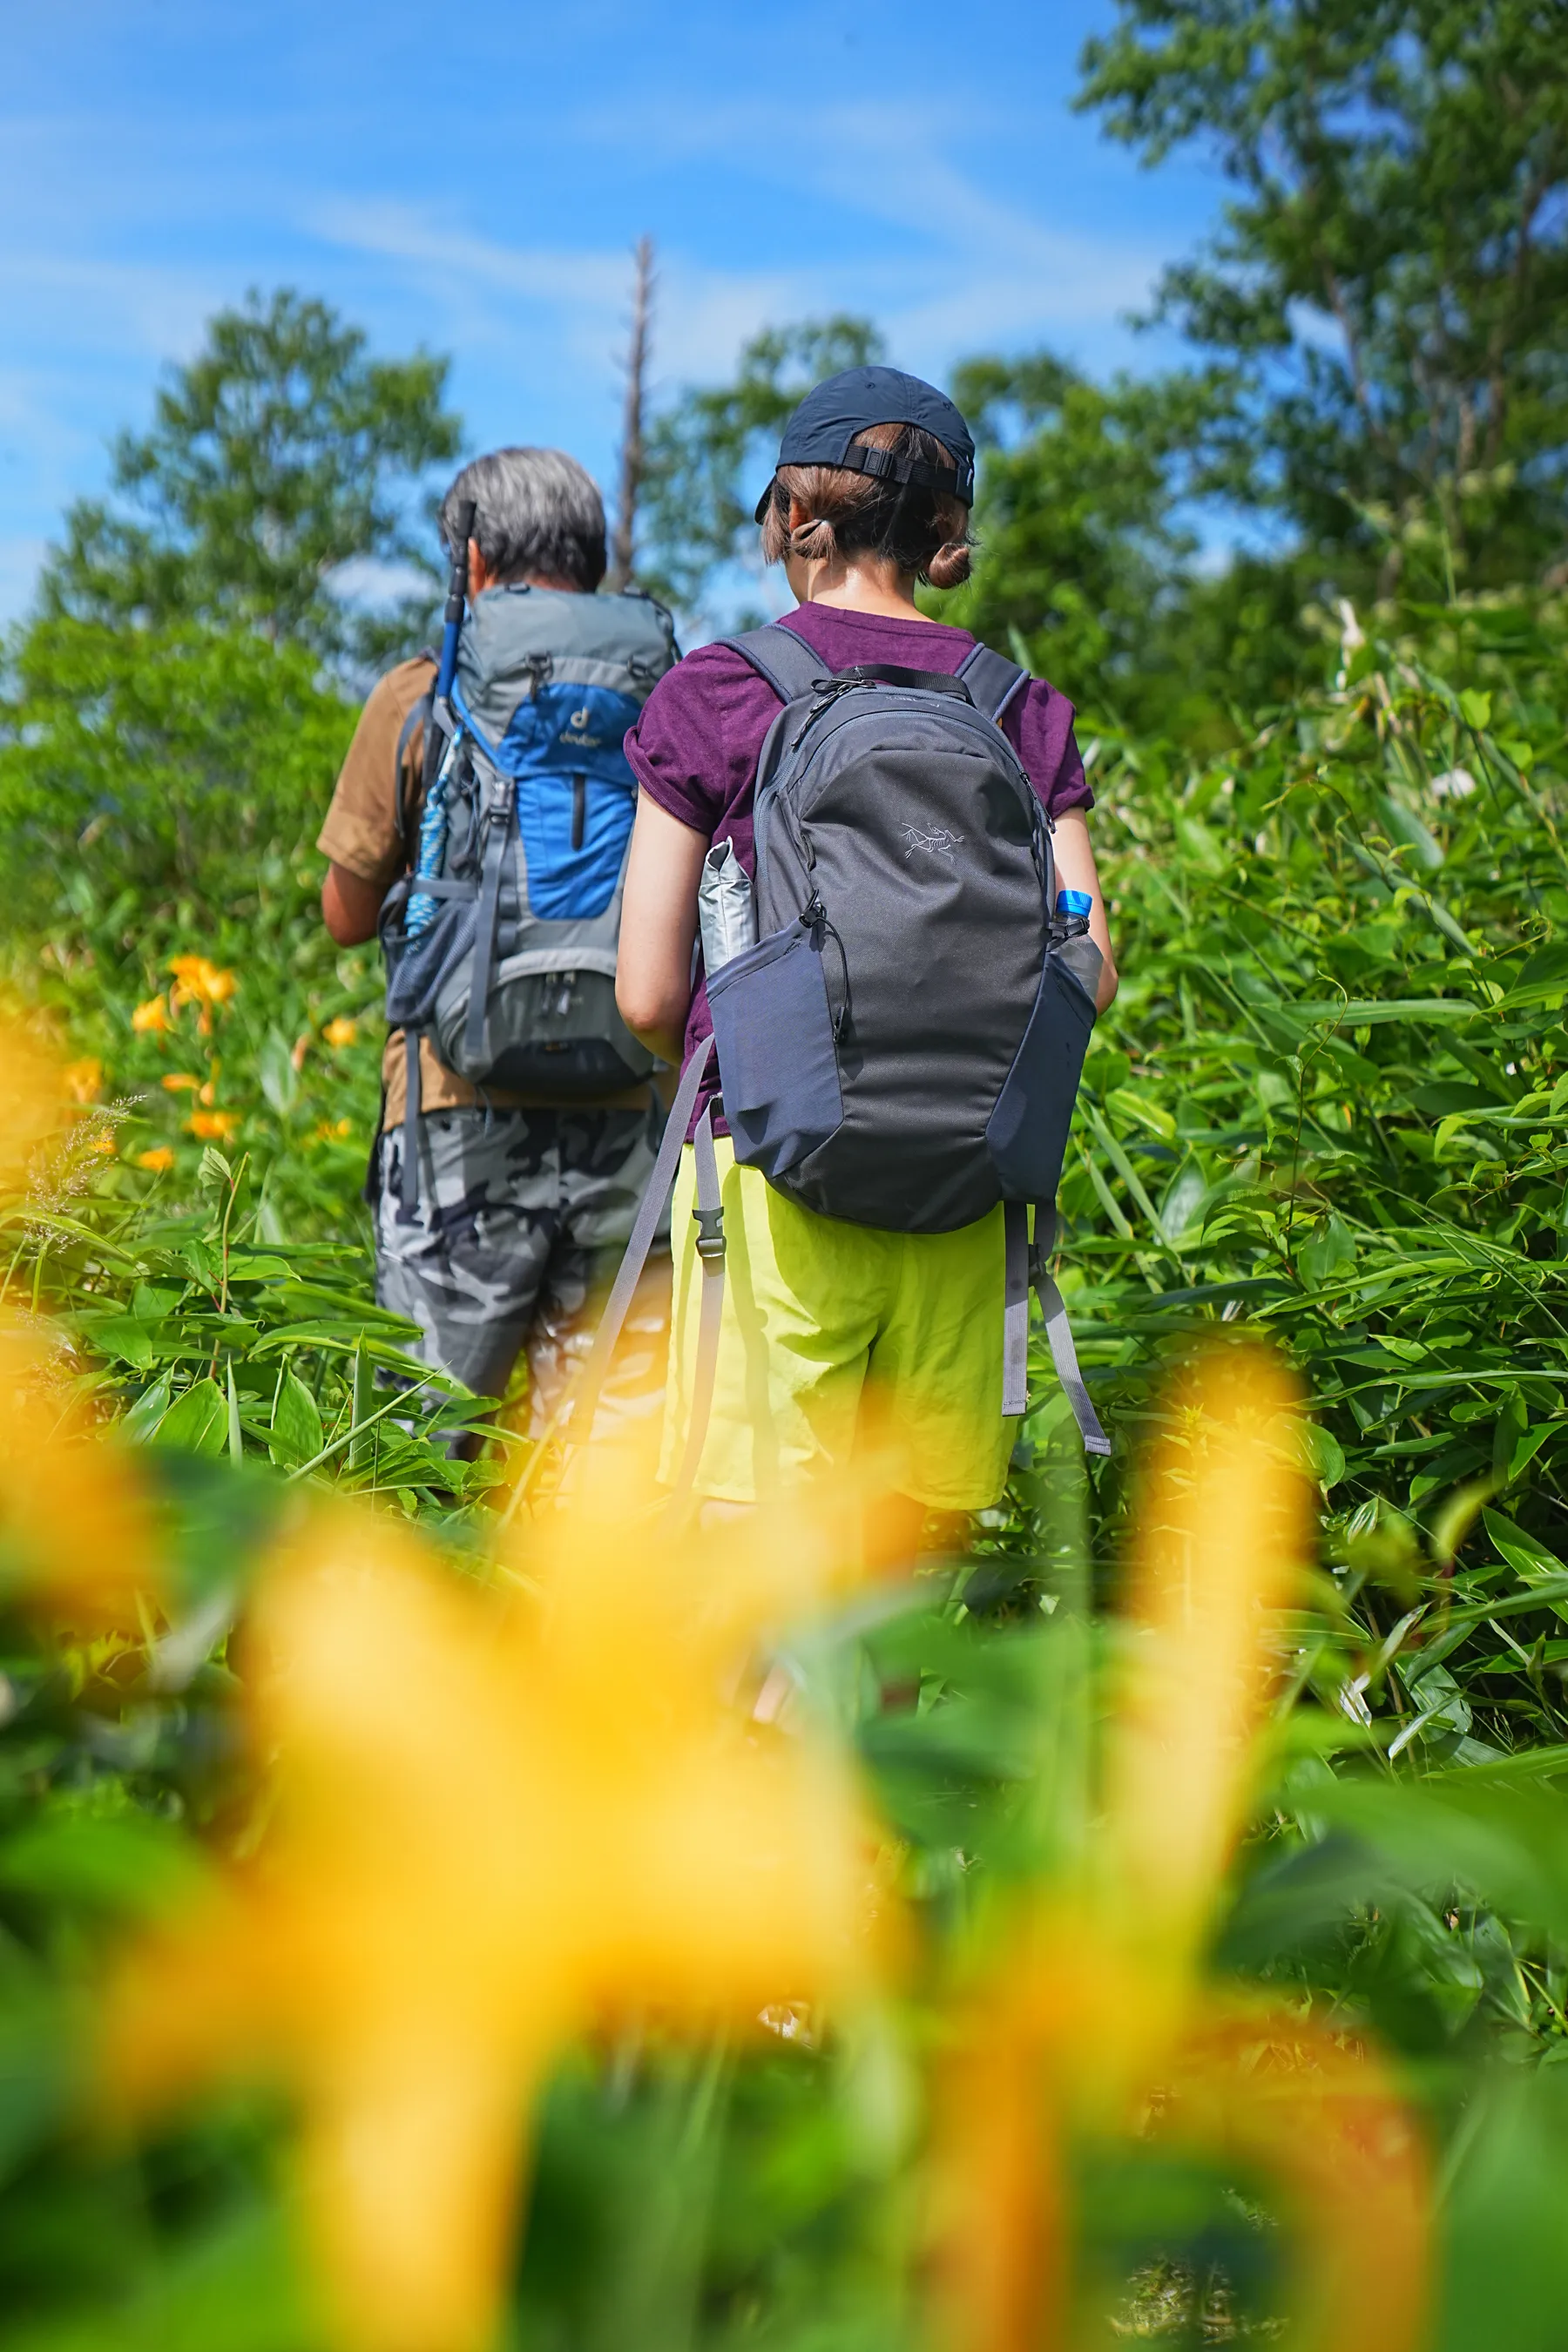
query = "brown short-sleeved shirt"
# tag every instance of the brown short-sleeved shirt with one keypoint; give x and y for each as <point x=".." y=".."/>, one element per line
<point x="360" y="833"/>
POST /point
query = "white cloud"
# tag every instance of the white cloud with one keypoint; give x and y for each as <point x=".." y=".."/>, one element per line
<point x="703" y="313"/>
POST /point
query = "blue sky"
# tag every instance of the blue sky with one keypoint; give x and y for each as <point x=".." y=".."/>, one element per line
<point x="474" y="178"/>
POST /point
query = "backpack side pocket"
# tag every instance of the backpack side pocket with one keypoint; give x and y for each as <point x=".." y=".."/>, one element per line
<point x="1028" y="1131"/>
<point x="777" y="1064"/>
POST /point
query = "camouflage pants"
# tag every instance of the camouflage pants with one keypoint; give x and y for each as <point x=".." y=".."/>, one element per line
<point x="521" y="1222"/>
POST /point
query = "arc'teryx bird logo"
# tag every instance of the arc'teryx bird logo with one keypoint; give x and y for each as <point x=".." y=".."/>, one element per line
<point x="937" y="841"/>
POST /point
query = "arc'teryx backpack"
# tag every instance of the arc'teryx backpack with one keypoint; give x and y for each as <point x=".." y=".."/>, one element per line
<point x="903" y="1044"/>
<point x="500" y="946"/>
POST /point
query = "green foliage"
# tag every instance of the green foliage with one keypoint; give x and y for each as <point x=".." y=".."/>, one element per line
<point x="279" y="454"/>
<point x="1392" y="274"/>
<point x="1331" y="1101"/>
<point x="172" y="760"/>
<point x="1079" y="544"/>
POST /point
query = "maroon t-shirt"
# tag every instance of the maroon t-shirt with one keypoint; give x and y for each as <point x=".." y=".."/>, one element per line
<point x="696" y="746"/>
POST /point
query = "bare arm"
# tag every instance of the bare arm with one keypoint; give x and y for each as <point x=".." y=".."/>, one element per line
<point x="658" y="925"/>
<point x="350" y="906"/>
<point x="1076" y="871"/>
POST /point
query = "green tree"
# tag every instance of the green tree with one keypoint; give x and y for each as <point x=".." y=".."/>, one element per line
<point x="1390" y="280"/>
<point x="707" y="458"/>
<point x="167" y="762"/>
<point x="279" y="456"/>
<point x="1082" y="551"/>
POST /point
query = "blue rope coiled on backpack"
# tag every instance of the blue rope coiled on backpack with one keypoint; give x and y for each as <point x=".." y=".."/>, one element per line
<point x="432" y="847"/>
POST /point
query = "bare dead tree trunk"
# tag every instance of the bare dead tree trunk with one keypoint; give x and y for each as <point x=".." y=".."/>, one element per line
<point x="633" y="453"/>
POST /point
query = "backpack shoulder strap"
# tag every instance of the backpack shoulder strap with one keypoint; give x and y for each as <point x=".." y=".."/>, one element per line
<point x="786" y="661"/>
<point x="992" y="680"/>
<point x="420" y="716"/>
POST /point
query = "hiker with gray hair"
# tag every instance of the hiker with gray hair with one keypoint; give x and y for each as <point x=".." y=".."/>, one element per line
<point x="483" y="831"/>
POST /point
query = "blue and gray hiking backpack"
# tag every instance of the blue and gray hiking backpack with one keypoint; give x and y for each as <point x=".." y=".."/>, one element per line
<point x="501" y="945"/>
<point x="901" y="1046"/>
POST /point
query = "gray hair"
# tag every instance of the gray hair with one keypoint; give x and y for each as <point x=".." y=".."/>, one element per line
<point x="538" y="511"/>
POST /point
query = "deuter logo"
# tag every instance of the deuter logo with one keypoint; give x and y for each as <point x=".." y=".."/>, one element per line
<point x="575" y="730"/>
<point x="938" y="842"/>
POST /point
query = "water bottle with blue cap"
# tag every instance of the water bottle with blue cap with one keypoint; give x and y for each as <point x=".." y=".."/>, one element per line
<point x="1074" y="909"/>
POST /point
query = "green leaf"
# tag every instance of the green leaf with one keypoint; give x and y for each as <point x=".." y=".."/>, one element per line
<point x="1407" y="828"/>
<point x="197" y="1421"/>
<point x="296" y="1422"/>
<point x="1323" y="1456"/>
<point x="145" y="1414"/>
<point x="125" y="1338"/>
<point x="275" y="1068"/>
<point x="1476" y="705"/>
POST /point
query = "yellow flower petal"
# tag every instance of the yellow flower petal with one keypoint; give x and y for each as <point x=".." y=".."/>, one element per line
<point x="579" y="1823"/>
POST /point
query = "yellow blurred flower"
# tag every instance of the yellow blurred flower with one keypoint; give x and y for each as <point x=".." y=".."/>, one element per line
<point x="71" y="1507"/>
<point x="341" y="1030"/>
<point x="32" y="1101"/>
<point x="83" y="1080"/>
<point x="179" y="1082"/>
<point x="1093" y="2020"/>
<point x="160" y="1159"/>
<point x="152" y="1018"/>
<point x="495" y="1830"/>
<point x="331" y="1131"/>
<point x="213" y="1126"/>
<point x="198" y="982"/>
<point x="104" y="1145"/>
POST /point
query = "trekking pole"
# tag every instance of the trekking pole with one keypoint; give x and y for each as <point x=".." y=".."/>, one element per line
<point x="457" y="599"/>
<point x="441" y="728"/>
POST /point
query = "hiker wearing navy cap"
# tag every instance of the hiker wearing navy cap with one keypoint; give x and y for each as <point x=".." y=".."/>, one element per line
<point x="902" y="1003"/>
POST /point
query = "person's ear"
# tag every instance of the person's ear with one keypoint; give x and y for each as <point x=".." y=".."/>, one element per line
<point x="799" y="513"/>
<point x="481" y="576"/>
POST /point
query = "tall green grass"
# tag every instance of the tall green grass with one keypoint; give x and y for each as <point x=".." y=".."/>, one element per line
<point x="1330" y="1104"/>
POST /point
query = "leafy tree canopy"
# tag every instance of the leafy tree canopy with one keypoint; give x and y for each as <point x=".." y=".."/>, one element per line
<point x="1081" y="544"/>
<point x="1392" y="277"/>
<point x="172" y="760"/>
<point x="280" y="454"/>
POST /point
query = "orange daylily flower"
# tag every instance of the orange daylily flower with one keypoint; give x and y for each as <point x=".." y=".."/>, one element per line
<point x="213" y="1126"/>
<point x="497" y="1829"/>
<point x="152" y="1018"/>
<point x="179" y="1082"/>
<point x="83" y="1080"/>
<point x="160" y="1159"/>
<point x="1093" y="2020"/>
<point x="341" y="1030"/>
<point x="199" y="982"/>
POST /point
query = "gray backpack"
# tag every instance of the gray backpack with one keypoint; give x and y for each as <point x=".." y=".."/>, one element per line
<point x="500" y="944"/>
<point x="902" y="1046"/>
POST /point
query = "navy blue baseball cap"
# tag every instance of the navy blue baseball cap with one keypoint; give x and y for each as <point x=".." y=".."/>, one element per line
<point x="822" y="429"/>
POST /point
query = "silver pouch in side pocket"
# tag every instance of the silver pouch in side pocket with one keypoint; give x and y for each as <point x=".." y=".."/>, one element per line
<point x="725" y="907"/>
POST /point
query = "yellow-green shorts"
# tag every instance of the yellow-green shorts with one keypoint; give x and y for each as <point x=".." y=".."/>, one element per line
<point x="829" y="1328"/>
